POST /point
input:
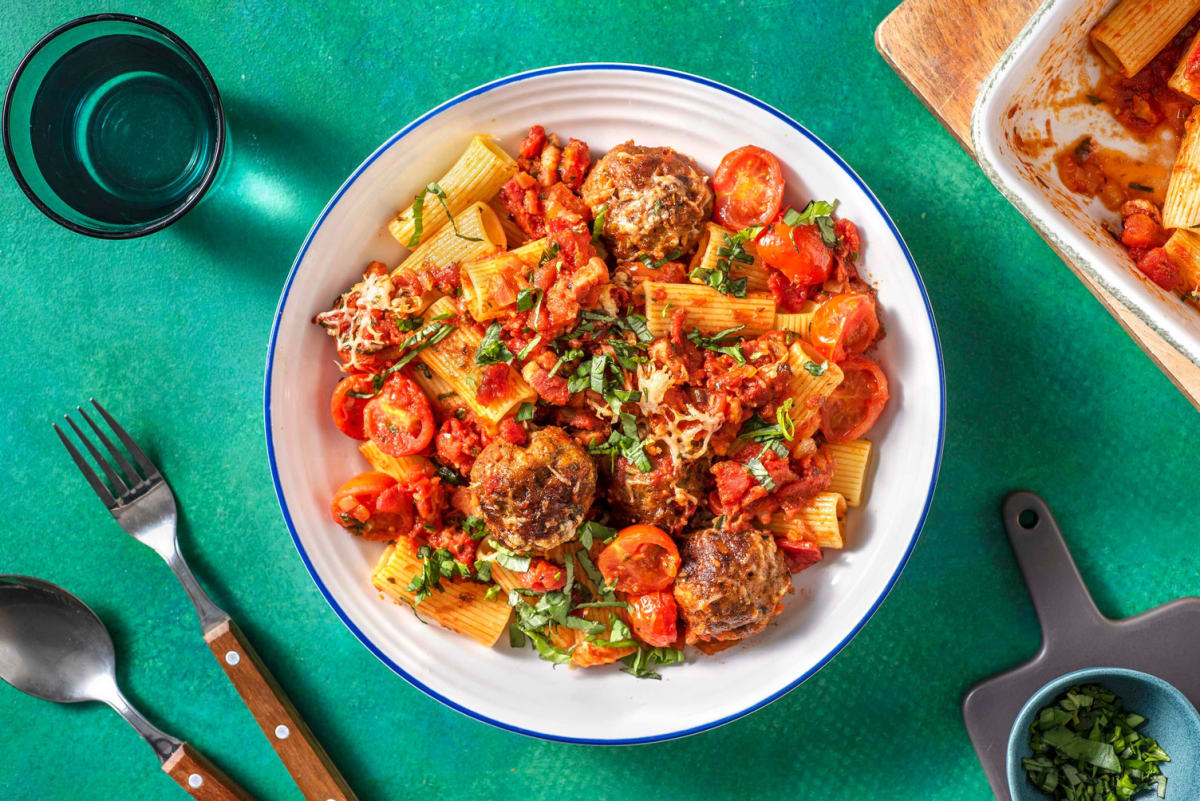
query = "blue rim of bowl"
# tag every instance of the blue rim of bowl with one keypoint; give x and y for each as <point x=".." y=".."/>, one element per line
<point x="1044" y="695"/>
<point x="210" y="173"/>
<point x="487" y="87"/>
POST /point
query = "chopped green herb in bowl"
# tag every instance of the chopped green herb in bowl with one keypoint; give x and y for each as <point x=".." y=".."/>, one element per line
<point x="1087" y="746"/>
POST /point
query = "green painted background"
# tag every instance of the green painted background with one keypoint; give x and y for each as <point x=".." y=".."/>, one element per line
<point x="1045" y="392"/>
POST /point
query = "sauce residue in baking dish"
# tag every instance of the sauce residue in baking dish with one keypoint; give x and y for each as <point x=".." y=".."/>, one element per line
<point x="1150" y="110"/>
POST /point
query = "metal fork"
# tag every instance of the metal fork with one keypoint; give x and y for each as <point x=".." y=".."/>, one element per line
<point x="142" y="503"/>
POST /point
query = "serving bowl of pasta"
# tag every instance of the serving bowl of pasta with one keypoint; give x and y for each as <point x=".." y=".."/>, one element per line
<point x="636" y="414"/>
<point x="1090" y="127"/>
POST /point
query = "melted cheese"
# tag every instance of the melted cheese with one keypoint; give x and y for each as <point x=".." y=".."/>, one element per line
<point x="353" y="321"/>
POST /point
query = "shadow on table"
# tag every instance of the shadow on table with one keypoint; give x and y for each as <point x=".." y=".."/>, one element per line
<point x="281" y="166"/>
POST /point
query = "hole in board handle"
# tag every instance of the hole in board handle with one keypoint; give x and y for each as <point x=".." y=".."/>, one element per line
<point x="1027" y="519"/>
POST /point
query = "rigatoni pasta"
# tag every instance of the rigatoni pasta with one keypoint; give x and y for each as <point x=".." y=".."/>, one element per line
<point x="464" y="608"/>
<point x="1182" y="206"/>
<point x="707" y="309"/>
<point x="477" y="175"/>
<point x="1133" y="33"/>
<point x="556" y="450"/>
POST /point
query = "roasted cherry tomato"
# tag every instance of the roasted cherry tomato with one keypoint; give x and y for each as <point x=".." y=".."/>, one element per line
<point x="797" y="252"/>
<point x="856" y="403"/>
<point x="845" y="325"/>
<point x="749" y="188"/>
<point x="348" y="409"/>
<point x="654" y="617"/>
<point x="641" y="559"/>
<point x="399" y="419"/>
<point x="799" y="554"/>
<point x="543" y="576"/>
<point x="373" y="506"/>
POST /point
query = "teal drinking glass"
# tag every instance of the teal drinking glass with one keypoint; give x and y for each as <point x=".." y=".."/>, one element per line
<point x="113" y="126"/>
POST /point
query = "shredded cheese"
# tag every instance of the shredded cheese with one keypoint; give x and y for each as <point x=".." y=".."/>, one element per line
<point x="354" y="320"/>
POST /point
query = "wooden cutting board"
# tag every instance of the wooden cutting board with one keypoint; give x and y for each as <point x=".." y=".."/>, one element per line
<point x="943" y="49"/>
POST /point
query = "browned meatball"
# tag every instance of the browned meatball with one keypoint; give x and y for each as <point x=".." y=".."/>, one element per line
<point x="729" y="584"/>
<point x="657" y="201"/>
<point x="534" y="497"/>
<point x="666" y="497"/>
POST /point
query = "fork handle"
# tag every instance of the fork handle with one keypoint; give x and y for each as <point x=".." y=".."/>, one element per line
<point x="304" y="758"/>
<point x="200" y="778"/>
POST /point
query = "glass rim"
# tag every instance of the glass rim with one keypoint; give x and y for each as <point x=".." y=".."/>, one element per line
<point x="206" y="78"/>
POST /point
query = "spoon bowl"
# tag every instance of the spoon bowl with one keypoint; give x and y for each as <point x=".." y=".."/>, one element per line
<point x="52" y="646"/>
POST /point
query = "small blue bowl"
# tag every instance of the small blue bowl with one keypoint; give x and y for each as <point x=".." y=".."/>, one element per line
<point x="1170" y="719"/>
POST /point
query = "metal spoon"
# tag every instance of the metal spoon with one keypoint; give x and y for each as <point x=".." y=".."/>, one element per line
<point x="53" y="647"/>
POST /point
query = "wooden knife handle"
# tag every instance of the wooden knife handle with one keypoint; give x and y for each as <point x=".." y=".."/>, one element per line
<point x="299" y="751"/>
<point x="200" y="778"/>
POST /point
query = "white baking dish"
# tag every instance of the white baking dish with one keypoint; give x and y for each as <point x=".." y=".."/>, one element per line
<point x="1023" y="100"/>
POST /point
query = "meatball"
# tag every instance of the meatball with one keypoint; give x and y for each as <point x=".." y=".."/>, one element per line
<point x="729" y="583"/>
<point x="534" y="497"/>
<point x="666" y="497"/>
<point x="657" y="201"/>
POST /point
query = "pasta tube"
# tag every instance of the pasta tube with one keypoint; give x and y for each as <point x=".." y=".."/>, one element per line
<point x="460" y="606"/>
<point x="709" y="253"/>
<point x="453" y="360"/>
<point x="1182" y="206"/>
<point x="1183" y="248"/>
<point x="1134" y="32"/>
<point x="1186" y="79"/>
<point x="813" y="379"/>
<point x="851" y="460"/>
<point x="477" y="176"/>
<point x="822" y="521"/>
<point x="707" y="309"/>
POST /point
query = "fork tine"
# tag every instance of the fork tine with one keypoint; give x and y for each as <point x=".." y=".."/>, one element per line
<point x="87" y="470"/>
<point x="117" y="484"/>
<point x="132" y="477"/>
<point x="143" y="461"/>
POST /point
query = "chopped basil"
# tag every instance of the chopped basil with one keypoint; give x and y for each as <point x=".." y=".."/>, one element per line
<point x="525" y="412"/>
<point x="1086" y="746"/>
<point x="714" y="342"/>
<point x="760" y="473"/>
<point x="591" y="530"/>
<point x="474" y="527"/>
<point x="548" y="254"/>
<point x="491" y="350"/>
<point x="418" y="213"/>
<point x="733" y="250"/>
<point x="435" y="565"/>
<point x="450" y="476"/>
<point x="406" y="324"/>
<point x="641" y="663"/>
<point x="1140" y="187"/>
<point x="815" y="213"/>
<point x="510" y="560"/>
<point x="526" y="299"/>
<point x="528" y="349"/>
<point x="816" y="369"/>
<point x="598" y="222"/>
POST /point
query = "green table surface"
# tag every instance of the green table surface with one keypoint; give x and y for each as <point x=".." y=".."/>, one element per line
<point x="170" y="332"/>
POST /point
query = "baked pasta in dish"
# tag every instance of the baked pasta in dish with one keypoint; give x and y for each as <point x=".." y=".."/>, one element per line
<point x="610" y="406"/>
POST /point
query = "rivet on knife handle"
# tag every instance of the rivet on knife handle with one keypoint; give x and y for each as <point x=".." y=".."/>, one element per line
<point x="200" y="778"/>
<point x="299" y="751"/>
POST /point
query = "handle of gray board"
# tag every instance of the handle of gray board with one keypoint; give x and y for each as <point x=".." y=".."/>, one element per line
<point x="1064" y="607"/>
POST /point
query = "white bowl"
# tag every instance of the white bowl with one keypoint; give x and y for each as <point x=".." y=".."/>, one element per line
<point x="603" y="104"/>
<point x="1032" y="94"/>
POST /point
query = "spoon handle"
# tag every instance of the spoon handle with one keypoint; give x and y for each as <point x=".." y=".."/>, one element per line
<point x="200" y="778"/>
<point x="298" y="750"/>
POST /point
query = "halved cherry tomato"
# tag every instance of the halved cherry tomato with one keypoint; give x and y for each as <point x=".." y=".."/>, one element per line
<point x="749" y="188"/>
<point x="348" y="410"/>
<point x="641" y="559"/>
<point x="799" y="252"/>
<point x="845" y="325"/>
<point x="543" y="576"/>
<point x="654" y="617"/>
<point x="373" y="506"/>
<point x="855" y="405"/>
<point x="799" y="554"/>
<point x="399" y="419"/>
